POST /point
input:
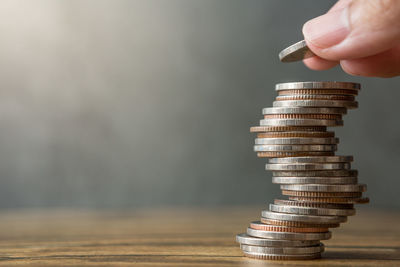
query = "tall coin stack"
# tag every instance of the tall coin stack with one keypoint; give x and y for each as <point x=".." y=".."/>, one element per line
<point x="321" y="188"/>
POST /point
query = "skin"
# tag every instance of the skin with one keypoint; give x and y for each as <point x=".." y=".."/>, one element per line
<point x="362" y="36"/>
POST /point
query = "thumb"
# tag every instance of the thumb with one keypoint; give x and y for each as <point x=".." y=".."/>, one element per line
<point x="358" y="29"/>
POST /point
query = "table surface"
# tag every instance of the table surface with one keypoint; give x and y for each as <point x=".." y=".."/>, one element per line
<point x="177" y="237"/>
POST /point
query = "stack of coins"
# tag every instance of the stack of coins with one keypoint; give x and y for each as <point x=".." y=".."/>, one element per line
<point x="321" y="188"/>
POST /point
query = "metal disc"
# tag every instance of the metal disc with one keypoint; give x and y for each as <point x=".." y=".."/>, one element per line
<point x="284" y="250"/>
<point x="300" y="122"/>
<point x="325" y="188"/>
<point x="326" y="159"/>
<point x="318" y="85"/>
<point x="326" y="173"/>
<point x="264" y="256"/>
<point x="255" y="241"/>
<point x="314" y="180"/>
<point x="307" y="166"/>
<point x="303" y="110"/>
<point x="296" y="52"/>
<point x="260" y="148"/>
<point x="296" y="141"/>
<point x="316" y="103"/>
<point x="311" y="210"/>
<point x="288" y="236"/>
<point x="303" y="218"/>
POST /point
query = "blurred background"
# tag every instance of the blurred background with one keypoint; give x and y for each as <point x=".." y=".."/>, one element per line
<point x="126" y="104"/>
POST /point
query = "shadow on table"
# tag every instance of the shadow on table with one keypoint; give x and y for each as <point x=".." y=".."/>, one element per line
<point x="362" y="253"/>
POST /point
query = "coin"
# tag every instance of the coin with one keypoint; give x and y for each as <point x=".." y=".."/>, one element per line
<point x="326" y="188"/>
<point x="295" y="134"/>
<point x="320" y="194"/>
<point x="304" y="116"/>
<point x="312" y="219"/>
<point x="344" y="200"/>
<point x="327" y="173"/>
<point x="318" y="92"/>
<point x="296" y="141"/>
<point x="307" y="166"/>
<point x="294" y="148"/>
<point x="331" y="159"/>
<point x="264" y="256"/>
<point x="318" y="85"/>
<point x="316" y="103"/>
<point x="296" y="52"/>
<point x="315" y="97"/>
<point x="311" y="210"/>
<point x="314" y="180"/>
<point x="298" y="224"/>
<point x="284" y="250"/>
<point x="313" y="204"/>
<point x="255" y="241"/>
<point x="277" y="154"/>
<point x="303" y="110"/>
<point x="276" y="228"/>
<point x="300" y="122"/>
<point x="288" y="235"/>
<point x="257" y="129"/>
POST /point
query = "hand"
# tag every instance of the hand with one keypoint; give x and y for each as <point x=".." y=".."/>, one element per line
<point x="362" y="35"/>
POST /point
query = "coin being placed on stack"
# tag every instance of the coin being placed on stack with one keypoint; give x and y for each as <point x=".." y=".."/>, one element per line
<point x="320" y="188"/>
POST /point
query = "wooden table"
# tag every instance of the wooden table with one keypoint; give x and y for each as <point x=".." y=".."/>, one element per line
<point x="177" y="237"/>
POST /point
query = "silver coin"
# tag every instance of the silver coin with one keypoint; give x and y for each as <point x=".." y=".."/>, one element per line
<point x="317" y="85"/>
<point x="330" y="173"/>
<point x="315" y="97"/>
<point x="255" y="241"/>
<point x="284" y="250"/>
<point x="312" y="219"/>
<point x="303" y="110"/>
<point x="316" y="103"/>
<point x="313" y="204"/>
<point x="300" y="122"/>
<point x="325" y="188"/>
<point x="315" y="180"/>
<point x="296" y="52"/>
<point x="314" y="159"/>
<point x="288" y="235"/>
<point x="265" y="256"/>
<point x="307" y="166"/>
<point x="260" y="148"/>
<point x="311" y="210"/>
<point x="296" y="141"/>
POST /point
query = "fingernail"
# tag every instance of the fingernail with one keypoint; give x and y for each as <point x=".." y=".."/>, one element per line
<point x="327" y="30"/>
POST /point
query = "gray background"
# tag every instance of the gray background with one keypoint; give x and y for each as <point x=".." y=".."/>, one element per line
<point x="115" y="104"/>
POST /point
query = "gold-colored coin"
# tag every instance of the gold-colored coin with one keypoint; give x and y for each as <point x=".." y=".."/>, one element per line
<point x="320" y="194"/>
<point x="297" y="224"/>
<point x="304" y="116"/>
<point x="296" y="134"/>
<point x="282" y="154"/>
<point x="318" y="92"/>
<point x="344" y="200"/>
<point x="257" y="129"/>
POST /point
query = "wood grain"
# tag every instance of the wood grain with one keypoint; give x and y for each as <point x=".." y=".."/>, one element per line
<point x="177" y="237"/>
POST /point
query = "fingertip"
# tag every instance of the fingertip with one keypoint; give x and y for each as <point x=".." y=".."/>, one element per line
<point x="317" y="63"/>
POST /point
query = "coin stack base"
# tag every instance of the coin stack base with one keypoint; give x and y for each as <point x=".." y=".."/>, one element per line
<point x="321" y="187"/>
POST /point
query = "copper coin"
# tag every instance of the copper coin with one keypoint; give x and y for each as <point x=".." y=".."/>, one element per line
<point x="313" y="204"/>
<point x="257" y="129"/>
<point x="277" y="228"/>
<point x="304" y="116"/>
<point x="344" y="200"/>
<point x="280" y="154"/>
<point x="295" y="134"/>
<point x="298" y="224"/>
<point x="320" y="194"/>
<point x="315" y="97"/>
<point x="318" y="92"/>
